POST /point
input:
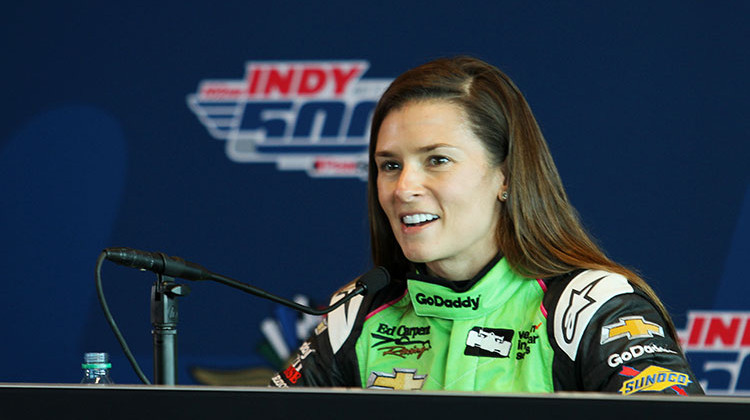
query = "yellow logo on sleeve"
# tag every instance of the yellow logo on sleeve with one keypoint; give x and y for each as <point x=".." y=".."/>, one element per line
<point x="653" y="378"/>
<point x="630" y="327"/>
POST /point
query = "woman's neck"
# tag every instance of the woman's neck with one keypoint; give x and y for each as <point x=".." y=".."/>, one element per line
<point x="458" y="270"/>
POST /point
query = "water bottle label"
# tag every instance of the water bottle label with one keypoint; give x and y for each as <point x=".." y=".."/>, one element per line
<point x="96" y="365"/>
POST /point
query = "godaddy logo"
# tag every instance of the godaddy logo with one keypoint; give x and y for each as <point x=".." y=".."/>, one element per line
<point x="439" y="301"/>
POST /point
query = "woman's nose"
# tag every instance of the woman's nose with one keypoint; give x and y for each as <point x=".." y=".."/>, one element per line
<point x="409" y="184"/>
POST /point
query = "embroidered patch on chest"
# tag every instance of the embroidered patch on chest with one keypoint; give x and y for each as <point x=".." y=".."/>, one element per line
<point x="489" y="342"/>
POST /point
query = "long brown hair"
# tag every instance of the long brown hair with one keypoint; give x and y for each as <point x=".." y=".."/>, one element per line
<point x="539" y="232"/>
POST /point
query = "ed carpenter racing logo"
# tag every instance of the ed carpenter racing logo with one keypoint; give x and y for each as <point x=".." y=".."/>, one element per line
<point x="401" y="341"/>
<point x="439" y="301"/>
<point x="302" y="115"/>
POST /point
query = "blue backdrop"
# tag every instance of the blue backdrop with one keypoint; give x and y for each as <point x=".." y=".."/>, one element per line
<point x="643" y="105"/>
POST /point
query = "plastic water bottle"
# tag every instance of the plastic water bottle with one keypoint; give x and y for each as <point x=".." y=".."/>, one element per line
<point x="96" y="369"/>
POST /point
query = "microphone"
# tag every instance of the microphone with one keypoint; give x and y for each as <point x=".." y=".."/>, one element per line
<point x="158" y="262"/>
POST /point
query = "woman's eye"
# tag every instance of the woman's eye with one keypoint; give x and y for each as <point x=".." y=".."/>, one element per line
<point x="438" y="160"/>
<point x="389" y="165"/>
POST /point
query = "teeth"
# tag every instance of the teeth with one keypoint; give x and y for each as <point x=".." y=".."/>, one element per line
<point x="413" y="219"/>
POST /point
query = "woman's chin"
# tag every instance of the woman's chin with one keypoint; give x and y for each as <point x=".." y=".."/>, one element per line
<point x="418" y="256"/>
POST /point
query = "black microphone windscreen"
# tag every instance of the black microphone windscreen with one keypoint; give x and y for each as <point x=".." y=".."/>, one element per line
<point x="375" y="280"/>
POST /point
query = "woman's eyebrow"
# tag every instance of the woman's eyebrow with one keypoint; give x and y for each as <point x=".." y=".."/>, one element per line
<point x="424" y="149"/>
<point x="384" y="153"/>
<point x="432" y="147"/>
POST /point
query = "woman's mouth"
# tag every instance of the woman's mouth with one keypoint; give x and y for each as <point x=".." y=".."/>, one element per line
<point x="418" y="219"/>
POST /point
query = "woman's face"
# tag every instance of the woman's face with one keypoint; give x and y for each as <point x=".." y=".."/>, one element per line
<point x="438" y="189"/>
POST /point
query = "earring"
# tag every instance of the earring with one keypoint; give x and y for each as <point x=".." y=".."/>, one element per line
<point x="504" y="195"/>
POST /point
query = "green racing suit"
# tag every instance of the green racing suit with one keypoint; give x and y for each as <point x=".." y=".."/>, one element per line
<point x="588" y="330"/>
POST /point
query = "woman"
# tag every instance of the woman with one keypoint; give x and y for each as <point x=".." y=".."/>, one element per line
<point x="496" y="285"/>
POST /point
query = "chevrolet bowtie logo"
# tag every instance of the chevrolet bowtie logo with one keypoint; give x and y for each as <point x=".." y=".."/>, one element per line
<point x="399" y="379"/>
<point x="630" y="327"/>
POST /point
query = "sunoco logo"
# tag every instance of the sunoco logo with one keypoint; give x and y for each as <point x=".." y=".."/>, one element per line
<point x="653" y="378"/>
<point x="303" y="115"/>
<point x="439" y="301"/>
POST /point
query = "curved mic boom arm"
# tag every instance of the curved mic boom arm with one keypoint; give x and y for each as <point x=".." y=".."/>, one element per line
<point x="370" y="282"/>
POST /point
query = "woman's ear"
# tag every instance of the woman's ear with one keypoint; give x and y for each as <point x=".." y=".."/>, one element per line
<point x="502" y="194"/>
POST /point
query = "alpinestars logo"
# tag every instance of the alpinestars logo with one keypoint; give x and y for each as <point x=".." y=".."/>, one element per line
<point x="303" y="115"/>
<point x="579" y="300"/>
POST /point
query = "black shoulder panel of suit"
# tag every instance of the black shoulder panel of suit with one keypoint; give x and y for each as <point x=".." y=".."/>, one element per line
<point x="327" y="358"/>
<point x="608" y="336"/>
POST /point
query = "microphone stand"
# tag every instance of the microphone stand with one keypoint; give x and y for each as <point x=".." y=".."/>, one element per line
<point x="165" y="291"/>
<point x="164" y="314"/>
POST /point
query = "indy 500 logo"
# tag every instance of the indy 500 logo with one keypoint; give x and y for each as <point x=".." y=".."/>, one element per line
<point x="302" y="115"/>
<point x="717" y="344"/>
